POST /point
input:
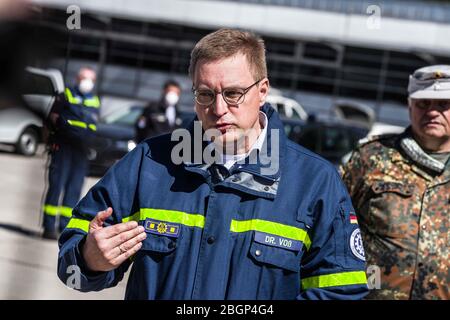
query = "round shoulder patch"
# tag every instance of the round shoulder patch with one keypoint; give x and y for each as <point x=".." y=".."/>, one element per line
<point x="356" y="245"/>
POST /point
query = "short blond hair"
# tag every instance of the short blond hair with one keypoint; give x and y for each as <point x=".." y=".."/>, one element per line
<point x="225" y="43"/>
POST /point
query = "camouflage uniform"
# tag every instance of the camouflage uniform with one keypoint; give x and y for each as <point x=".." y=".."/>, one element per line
<point x="402" y="198"/>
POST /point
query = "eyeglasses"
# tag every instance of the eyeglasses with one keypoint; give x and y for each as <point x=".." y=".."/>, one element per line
<point x="232" y="96"/>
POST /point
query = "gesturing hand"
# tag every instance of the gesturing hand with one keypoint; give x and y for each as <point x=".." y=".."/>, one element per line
<point x="106" y="248"/>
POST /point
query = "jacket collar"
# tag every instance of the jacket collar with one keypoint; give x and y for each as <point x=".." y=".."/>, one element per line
<point x="417" y="154"/>
<point x="260" y="173"/>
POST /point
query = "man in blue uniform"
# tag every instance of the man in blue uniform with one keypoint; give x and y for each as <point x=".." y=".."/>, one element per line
<point x="73" y="121"/>
<point x="266" y="219"/>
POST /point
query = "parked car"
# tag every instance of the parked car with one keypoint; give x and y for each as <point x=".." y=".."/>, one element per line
<point x="115" y="137"/>
<point x="331" y="139"/>
<point x="286" y="107"/>
<point x="354" y="112"/>
<point x="21" y="127"/>
<point x="360" y="114"/>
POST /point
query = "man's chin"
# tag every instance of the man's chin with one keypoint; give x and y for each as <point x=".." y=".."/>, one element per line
<point x="433" y="131"/>
<point x="226" y="137"/>
<point x="230" y="141"/>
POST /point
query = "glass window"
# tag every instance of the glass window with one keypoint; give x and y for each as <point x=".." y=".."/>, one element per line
<point x="37" y="84"/>
<point x="319" y="51"/>
<point x="123" y="117"/>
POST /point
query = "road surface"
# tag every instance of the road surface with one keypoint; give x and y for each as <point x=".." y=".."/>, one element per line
<point x="27" y="262"/>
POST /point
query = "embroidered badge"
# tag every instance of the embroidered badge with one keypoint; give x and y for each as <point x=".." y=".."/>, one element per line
<point x="277" y="241"/>
<point x="162" y="228"/>
<point x="356" y="245"/>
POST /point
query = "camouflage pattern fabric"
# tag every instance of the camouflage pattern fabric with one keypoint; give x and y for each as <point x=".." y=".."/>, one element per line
<point x="402" y="207"/>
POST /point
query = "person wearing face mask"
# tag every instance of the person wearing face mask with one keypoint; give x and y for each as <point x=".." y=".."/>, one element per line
<point x="71" y="123"/>
<point x="400" y="187"/>
<point x="160" y="116"/>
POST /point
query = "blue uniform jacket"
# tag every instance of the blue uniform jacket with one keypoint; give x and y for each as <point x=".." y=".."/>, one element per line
<point x="77" y="121"/>
<point x="219" y="234"/>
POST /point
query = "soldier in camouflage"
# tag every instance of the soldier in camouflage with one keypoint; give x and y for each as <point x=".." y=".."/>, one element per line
<point x="400" y="188"/>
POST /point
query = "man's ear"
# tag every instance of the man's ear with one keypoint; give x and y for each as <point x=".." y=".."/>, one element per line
<point x="264" y="88"/>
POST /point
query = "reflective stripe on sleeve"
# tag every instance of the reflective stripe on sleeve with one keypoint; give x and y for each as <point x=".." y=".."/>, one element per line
<point x="70" y="98"/>
<point x="335" y="280"/>
<point x="78" y="224"/>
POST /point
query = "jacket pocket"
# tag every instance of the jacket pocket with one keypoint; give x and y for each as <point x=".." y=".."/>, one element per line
<point x="162" y="237"/>
<point x="159" y="243"/>
<point x="275" y="256"/>
<point x="389" y="208"/>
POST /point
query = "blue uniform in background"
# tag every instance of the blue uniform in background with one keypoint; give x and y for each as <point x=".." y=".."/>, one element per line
<point x="214" y="233"/>
<point x="76" y="123"/>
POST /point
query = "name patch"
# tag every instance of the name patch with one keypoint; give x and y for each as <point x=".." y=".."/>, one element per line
<point x="277" y="241"/>
<point x="162" y="228"/>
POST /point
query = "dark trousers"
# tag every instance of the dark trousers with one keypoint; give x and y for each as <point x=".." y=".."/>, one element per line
<point x="67" y="170"/>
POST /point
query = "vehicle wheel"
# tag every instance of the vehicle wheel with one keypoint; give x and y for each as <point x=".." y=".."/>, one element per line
<point x="28" y="142"/>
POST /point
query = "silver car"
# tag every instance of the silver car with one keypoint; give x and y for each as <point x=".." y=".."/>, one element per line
<point x="21" y="127"/>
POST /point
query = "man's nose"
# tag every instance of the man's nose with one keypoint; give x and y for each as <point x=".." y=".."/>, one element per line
<point x="433" y="109"/>
<point x="220" y="107"/>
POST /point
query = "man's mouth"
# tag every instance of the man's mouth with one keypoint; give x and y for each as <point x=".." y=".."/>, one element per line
<point x="223" y="127"/>
<point x="432" y="123"/>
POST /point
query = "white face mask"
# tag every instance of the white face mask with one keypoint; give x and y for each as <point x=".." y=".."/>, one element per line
<point x="86" y="86"/>
<point x="171" y="98"/>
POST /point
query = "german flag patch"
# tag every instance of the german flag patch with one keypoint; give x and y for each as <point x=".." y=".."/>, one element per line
<point x="353" y="218"/>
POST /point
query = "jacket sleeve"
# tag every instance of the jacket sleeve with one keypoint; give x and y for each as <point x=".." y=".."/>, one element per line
<point x="334" y="265"/>
<point x="117" y="189"/>
<point x="353" y="173"/>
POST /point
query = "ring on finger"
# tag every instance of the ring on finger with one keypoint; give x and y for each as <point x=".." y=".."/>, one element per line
<point x="122" y="251"/>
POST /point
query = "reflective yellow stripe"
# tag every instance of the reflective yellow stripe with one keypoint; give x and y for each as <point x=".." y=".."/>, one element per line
<point x="275" y="228"/>
<point x="187" y="219"/>
<point x="71" y="98"/>
<point x="78" y="224"/>
<point x="50" y="210"/>
<point x="65" y="211"/>
<point x="335" y="279"/>
<point x="81" y="124"/>
<point x="92" y="102"/>
<point x="76" y="123"/>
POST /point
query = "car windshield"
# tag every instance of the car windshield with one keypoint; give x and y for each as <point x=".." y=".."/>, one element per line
<point x="126" y="117"/>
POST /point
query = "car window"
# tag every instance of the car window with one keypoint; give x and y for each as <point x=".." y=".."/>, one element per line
<point x="126" y="117"/>
<point x="280" y="109"/>
<point x="295" y="114"/>
<point x="37" y="84"/>
<point x="292" y="131"/>
<point x="356" y="135"/>
<point x="310" y="138"/>
<point x="336" y="140"/>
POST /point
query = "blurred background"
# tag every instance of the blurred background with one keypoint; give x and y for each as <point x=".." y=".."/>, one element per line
<point x="338" y="70"/>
